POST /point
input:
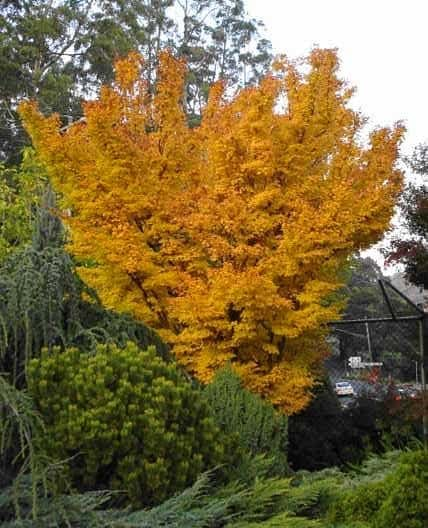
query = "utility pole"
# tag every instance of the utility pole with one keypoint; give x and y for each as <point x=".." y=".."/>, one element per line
<point x="423" y="381"/>
<point x="369" y="341"/>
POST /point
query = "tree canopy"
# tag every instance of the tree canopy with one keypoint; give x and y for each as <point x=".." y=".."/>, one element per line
<point x="227" y="238"/>
<point x="58" y="52"/>
<point x="412" y="250"/>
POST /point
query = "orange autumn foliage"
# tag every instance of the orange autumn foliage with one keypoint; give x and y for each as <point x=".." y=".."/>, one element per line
<point x="227" y="238"/>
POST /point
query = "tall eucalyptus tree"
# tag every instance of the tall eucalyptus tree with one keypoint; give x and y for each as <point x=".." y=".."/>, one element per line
<point x="59" y="51"/>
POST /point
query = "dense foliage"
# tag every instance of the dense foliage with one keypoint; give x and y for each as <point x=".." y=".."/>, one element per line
<point x="58" y="51"/>
<point x="412" y="250"/>
<point x="308" y="500"/>
<point x="43" y="303"/>
<point x="21" y="191"/>
<point x="125" y="420"/>
<point x="203" y="232"/>
<point x="19" y="424"/>
<point x="327" y="434"/>
<point x="400" y="499"/>
<point x="224" y="219"/>
<point x="320" y="435"/>
<point x="260" y="429"/>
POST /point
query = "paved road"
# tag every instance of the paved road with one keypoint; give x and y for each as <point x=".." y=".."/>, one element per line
<point x="377" y="391"/>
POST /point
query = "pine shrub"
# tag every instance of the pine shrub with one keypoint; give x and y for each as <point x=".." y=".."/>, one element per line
<point x="125" y="420"/>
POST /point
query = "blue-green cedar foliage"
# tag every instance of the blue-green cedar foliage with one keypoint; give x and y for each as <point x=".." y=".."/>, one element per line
<point x="260" y="428"/>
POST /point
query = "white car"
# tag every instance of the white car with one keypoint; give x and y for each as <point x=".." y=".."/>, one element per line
<point x="344" y="388"/>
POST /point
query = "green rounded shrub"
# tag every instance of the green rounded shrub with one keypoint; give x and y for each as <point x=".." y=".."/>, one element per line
<point x="359" y="503"/>
<point x="124" y="419"/>
<point x="398" y="500"/>
<point x="406" y="502"/>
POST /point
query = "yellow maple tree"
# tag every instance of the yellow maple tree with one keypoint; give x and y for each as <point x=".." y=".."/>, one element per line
<point x="227" y="238"/>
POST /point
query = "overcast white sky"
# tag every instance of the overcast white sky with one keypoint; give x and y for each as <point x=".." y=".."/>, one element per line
<point x="383" y="47"/>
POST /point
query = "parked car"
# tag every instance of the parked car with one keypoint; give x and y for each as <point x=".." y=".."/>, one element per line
<point x="344" y="388"/>
<point x="405" y="392"/>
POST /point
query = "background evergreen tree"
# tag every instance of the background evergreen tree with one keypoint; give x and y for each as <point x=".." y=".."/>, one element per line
<point x="59" y="52"/>
<point x="39" y="42"/>
<point x="259" y="428"/>
<point x="43" y="302"/>
<point x="218" y="41"/>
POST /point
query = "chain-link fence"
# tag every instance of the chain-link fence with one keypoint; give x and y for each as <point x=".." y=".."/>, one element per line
<point x="378" y="352"/>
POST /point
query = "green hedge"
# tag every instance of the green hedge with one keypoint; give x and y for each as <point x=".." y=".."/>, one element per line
<point x="124" y="419"/>
<point x="259" y="427"/>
